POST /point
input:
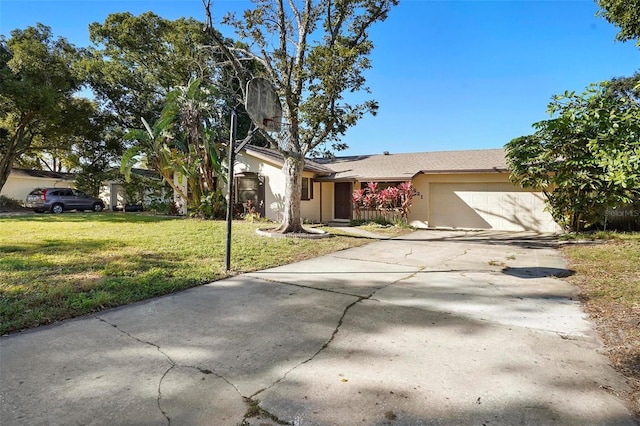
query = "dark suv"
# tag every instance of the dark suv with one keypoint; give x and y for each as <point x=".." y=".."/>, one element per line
<point x="57" y="200"/>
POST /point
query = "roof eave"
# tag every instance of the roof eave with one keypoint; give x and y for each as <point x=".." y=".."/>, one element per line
<point x="463" y="171"/>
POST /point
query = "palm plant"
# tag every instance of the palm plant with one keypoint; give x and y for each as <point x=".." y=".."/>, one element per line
<point x="182" y="141"/>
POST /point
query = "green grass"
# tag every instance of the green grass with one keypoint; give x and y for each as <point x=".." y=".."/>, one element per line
<point x="54" y="267"/>
<point x="610" y="270"/>
<point x="608" y="275"/>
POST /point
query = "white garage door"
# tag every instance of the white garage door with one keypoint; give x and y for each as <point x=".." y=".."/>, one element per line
<point x="499" y="206"/>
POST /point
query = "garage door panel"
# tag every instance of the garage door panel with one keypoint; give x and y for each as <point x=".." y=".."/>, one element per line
<point x="498" y="206"/>
<point x="458" y="210"/>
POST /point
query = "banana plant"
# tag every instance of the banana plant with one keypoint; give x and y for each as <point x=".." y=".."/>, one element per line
<point x="182" y="141"/>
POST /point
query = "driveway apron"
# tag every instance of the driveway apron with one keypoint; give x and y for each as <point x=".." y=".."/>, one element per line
<point x="434" y="328"/>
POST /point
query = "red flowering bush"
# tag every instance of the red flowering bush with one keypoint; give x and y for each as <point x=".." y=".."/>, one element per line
<point x="384" y="203"/>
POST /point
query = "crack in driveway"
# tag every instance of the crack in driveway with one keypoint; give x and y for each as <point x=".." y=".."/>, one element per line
<point x="172" y="365"/>
<point x="250" y="399"/>
<point x="337" y="328"/>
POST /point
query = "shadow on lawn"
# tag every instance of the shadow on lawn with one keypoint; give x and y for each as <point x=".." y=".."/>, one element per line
<point x="111" y="217"/>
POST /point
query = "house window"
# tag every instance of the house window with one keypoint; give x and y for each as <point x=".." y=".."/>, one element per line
<point x="247" y="189"/>
<point x="307" y="188"/>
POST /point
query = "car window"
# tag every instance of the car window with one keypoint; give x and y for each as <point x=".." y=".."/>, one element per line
<point x="79" y="193"/>
<point x="66" y="193"/>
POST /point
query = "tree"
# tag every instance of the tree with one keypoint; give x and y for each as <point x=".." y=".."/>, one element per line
<point x="625" y="14"/>
<point x="77" y="138"/>
<point x="314" y="52"/>
<point x="137" y="60"/>
<point x="197" y="127"/>
<point x="587" y="157"/>
<point x="135" y="66"/>
<point x="183" y="141"/>
<point x="37" y="86"/>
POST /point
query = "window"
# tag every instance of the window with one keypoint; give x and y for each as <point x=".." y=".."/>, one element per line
<point x="307" y="188"/>
<point x="247" y="189"/>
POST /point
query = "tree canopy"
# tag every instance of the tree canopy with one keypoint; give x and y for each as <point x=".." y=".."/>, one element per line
<point x="38" y="81"/>
<point x="184" y="140"/>
<point x="624" y="14"/>
<point x="135" y="61"/>
<point x="586" y="158"/>
<point x="314" y="52"/>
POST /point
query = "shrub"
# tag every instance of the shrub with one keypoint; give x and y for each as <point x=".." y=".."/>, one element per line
<point x="8" y="204"/>
<point x="389" y="205"/>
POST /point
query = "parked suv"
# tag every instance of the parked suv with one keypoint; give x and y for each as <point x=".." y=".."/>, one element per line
<point x="57" y="200"/>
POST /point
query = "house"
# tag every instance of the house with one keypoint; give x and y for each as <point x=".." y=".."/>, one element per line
<point x="22" y="181"/>
<point x="146" y="188"/>
<point x="455" y="189"/>
<point x="258" y="177"/>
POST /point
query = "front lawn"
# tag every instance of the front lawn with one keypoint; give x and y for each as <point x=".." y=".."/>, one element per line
<point x="608" y="275"/>
<point x="54" y="267"/>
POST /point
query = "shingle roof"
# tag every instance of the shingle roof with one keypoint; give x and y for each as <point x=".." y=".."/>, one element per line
<point x="402" y="167"/>
<point x="274" y="156"/>
<point x="44" y="174"/>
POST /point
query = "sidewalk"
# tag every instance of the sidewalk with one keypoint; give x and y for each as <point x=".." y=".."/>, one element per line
<point x="446" y="328"/>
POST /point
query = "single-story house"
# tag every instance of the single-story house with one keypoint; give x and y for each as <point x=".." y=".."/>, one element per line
<point x="22" y="181"/>
<point x="145" y="187"/>
<point x="455" y="189"/>
<point x="113" y="192"/>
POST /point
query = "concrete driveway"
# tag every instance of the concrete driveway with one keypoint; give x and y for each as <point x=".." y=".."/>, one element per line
<point x="434" y="328"/>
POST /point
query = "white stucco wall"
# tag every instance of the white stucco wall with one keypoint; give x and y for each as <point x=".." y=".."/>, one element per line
<point x="273" y="182"/>
<point x="274" y="187"/>
<point x="19" y="185"/>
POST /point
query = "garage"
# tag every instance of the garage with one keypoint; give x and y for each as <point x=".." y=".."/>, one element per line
<point x="497" y="206"/>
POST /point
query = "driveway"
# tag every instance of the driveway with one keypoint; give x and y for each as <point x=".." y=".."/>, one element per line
<point x="434" y="328"/>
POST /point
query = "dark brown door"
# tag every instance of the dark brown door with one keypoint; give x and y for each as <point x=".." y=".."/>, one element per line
<point x="342" y="200"/>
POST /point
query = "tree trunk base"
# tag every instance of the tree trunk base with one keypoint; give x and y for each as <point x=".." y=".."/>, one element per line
<point x="290" y="229"/>
<point x="305" y="234"/>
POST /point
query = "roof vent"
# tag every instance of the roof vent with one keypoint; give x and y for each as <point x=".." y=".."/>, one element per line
<point x="386" y="153"/>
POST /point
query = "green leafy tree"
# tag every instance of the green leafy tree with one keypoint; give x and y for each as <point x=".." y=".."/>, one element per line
<point x="37" y="86"/>
<point x="134" y="68"/>
<point x="183" y="141"/>
<point x="197" y="127"/>
<point x="587" y="157"/>
<point x="314" y="52"/>
<point x="625" y="14"/>
<point x="97" y="150"/>
<point x="135" y="61"/>
<point x="77" y="138"/>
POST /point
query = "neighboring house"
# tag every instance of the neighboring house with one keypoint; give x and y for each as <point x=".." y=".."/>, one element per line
<point x="114" y="194"/>
<point x="456" y="189"/>
<point x="22" y="181"/>
<point x="144" y="188"/>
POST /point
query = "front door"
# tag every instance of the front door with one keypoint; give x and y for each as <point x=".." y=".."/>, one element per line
<point x="342" y="200"/>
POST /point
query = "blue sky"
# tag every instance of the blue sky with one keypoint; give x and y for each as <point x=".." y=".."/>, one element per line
<point x="448" y="74"/>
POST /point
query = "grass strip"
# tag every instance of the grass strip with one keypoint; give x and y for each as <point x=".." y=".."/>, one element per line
<point x="608" y="275"/>
<point x="54" y="267"/>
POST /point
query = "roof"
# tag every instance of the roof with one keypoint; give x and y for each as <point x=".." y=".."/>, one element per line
<point x="403" y="167"/>
<point x="274" y="156"/>
<point x="43" y="174"/>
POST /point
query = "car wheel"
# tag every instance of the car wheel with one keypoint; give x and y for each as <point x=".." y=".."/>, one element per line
<point x="97" y="207"/>
<point x="57" y="208"/>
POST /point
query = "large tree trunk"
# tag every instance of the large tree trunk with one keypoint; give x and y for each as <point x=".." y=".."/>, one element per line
<point x="5" y="168"/>
<point x="15" y="147"/>
<point x="292" y="219"/>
